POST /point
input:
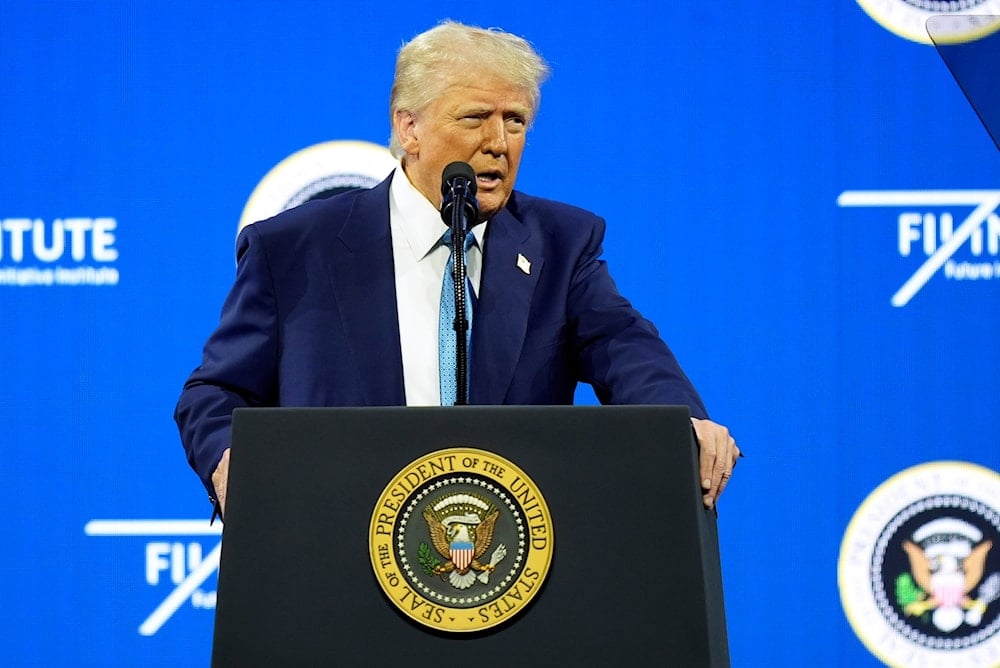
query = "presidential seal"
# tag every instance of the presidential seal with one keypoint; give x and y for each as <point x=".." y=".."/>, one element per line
<point x="461" y="540"/>
<point x="317" y="172"/>
<point x="919" y="570"/>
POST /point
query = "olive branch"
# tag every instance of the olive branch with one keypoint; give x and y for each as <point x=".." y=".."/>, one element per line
<point x="428" y="560"/>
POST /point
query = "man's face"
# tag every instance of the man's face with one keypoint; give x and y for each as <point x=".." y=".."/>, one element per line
<point x="481" y="123"/>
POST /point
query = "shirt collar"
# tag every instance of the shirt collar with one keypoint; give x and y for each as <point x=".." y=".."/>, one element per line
<point x="419" y="221"/>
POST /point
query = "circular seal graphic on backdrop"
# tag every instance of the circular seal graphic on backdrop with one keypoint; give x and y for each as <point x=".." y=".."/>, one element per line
<point x="317" y="172"/>
<point x="908" y="18"/>
<point x="919" y="570"/>
<point x="951" y="29"/>
<point x="461" y="540"/>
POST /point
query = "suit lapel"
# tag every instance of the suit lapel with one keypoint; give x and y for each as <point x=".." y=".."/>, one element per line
<point x="364" y="285"/>
<point x="501" y="317"/>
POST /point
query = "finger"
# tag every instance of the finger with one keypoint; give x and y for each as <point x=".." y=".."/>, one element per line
<point x="722" y="466"/>
<point x="726" y="477"/>
<point x="711" y="474"/>
<point x="706" y="458"/>
<point x="706" y="455"/>
<point x="220" y="480"/>
<point x="720" y="472"/>
<point x="727" y="474"/>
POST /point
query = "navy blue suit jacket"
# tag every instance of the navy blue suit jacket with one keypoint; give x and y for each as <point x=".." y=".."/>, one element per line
<point x="311" y="320"/>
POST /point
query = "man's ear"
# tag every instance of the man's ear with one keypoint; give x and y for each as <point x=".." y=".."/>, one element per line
<point x="405" y="126"/>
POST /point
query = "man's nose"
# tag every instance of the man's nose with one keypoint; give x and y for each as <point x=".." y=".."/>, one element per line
<point x="495" y="137"/>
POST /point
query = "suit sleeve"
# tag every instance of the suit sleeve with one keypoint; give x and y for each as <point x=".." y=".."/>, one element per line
<point x="239" y="362"/>
<point x="621" y="353"/>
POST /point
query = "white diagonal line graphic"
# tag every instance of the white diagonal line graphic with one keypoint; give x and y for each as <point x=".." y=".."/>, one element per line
<point x="985" y="201"/>
<point x="181" y="593"/>
<point x="944" y="252"/>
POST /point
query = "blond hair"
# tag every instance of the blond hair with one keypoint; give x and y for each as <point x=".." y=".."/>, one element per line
<point x="428" y="63"/>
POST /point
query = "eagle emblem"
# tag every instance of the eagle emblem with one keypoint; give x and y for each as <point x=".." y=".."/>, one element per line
<point x="461" y="527"/>
<point x="947" y="565"/>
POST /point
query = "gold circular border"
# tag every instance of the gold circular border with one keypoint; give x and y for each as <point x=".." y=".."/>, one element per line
<point x="876" y="498"/>
<point x="381" y="534"/>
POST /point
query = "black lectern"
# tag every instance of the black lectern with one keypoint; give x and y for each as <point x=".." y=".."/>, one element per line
<point x="634" y="573"/>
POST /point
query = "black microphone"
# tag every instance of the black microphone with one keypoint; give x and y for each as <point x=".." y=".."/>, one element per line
<point x="458" y="189"/>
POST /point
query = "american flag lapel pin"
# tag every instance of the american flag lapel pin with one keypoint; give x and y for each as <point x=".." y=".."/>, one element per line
<point x="523" y="264"/>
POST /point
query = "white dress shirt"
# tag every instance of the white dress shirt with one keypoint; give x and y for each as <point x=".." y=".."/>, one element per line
<point x="419" y="260"/>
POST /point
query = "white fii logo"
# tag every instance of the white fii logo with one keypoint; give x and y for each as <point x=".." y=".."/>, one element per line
<point x="930" y="225"/>
<point x="175" y="561"/>
<point x="63" y="251"/>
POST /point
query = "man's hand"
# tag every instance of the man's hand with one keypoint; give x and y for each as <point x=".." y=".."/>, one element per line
<point x="220" y="479"/>
<point x="717" y="456"/>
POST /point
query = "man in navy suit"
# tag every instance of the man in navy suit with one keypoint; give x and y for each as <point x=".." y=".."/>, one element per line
<point x="336" y="302"/>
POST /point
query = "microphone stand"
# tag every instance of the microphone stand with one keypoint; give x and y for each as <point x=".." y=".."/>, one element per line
<point x="461" y="323"/>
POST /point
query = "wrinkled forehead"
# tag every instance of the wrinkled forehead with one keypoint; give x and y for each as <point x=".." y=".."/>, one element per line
<point x="482" y="83"/>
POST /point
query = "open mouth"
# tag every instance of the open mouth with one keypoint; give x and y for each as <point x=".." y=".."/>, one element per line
<point x="488" y="179"/>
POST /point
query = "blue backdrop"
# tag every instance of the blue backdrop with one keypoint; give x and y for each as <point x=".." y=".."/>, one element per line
<point x="780" y="173"/>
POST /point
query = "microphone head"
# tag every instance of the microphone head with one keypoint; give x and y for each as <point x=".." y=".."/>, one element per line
<point x="458" y="185"/>
<point x="455" y="172"/>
